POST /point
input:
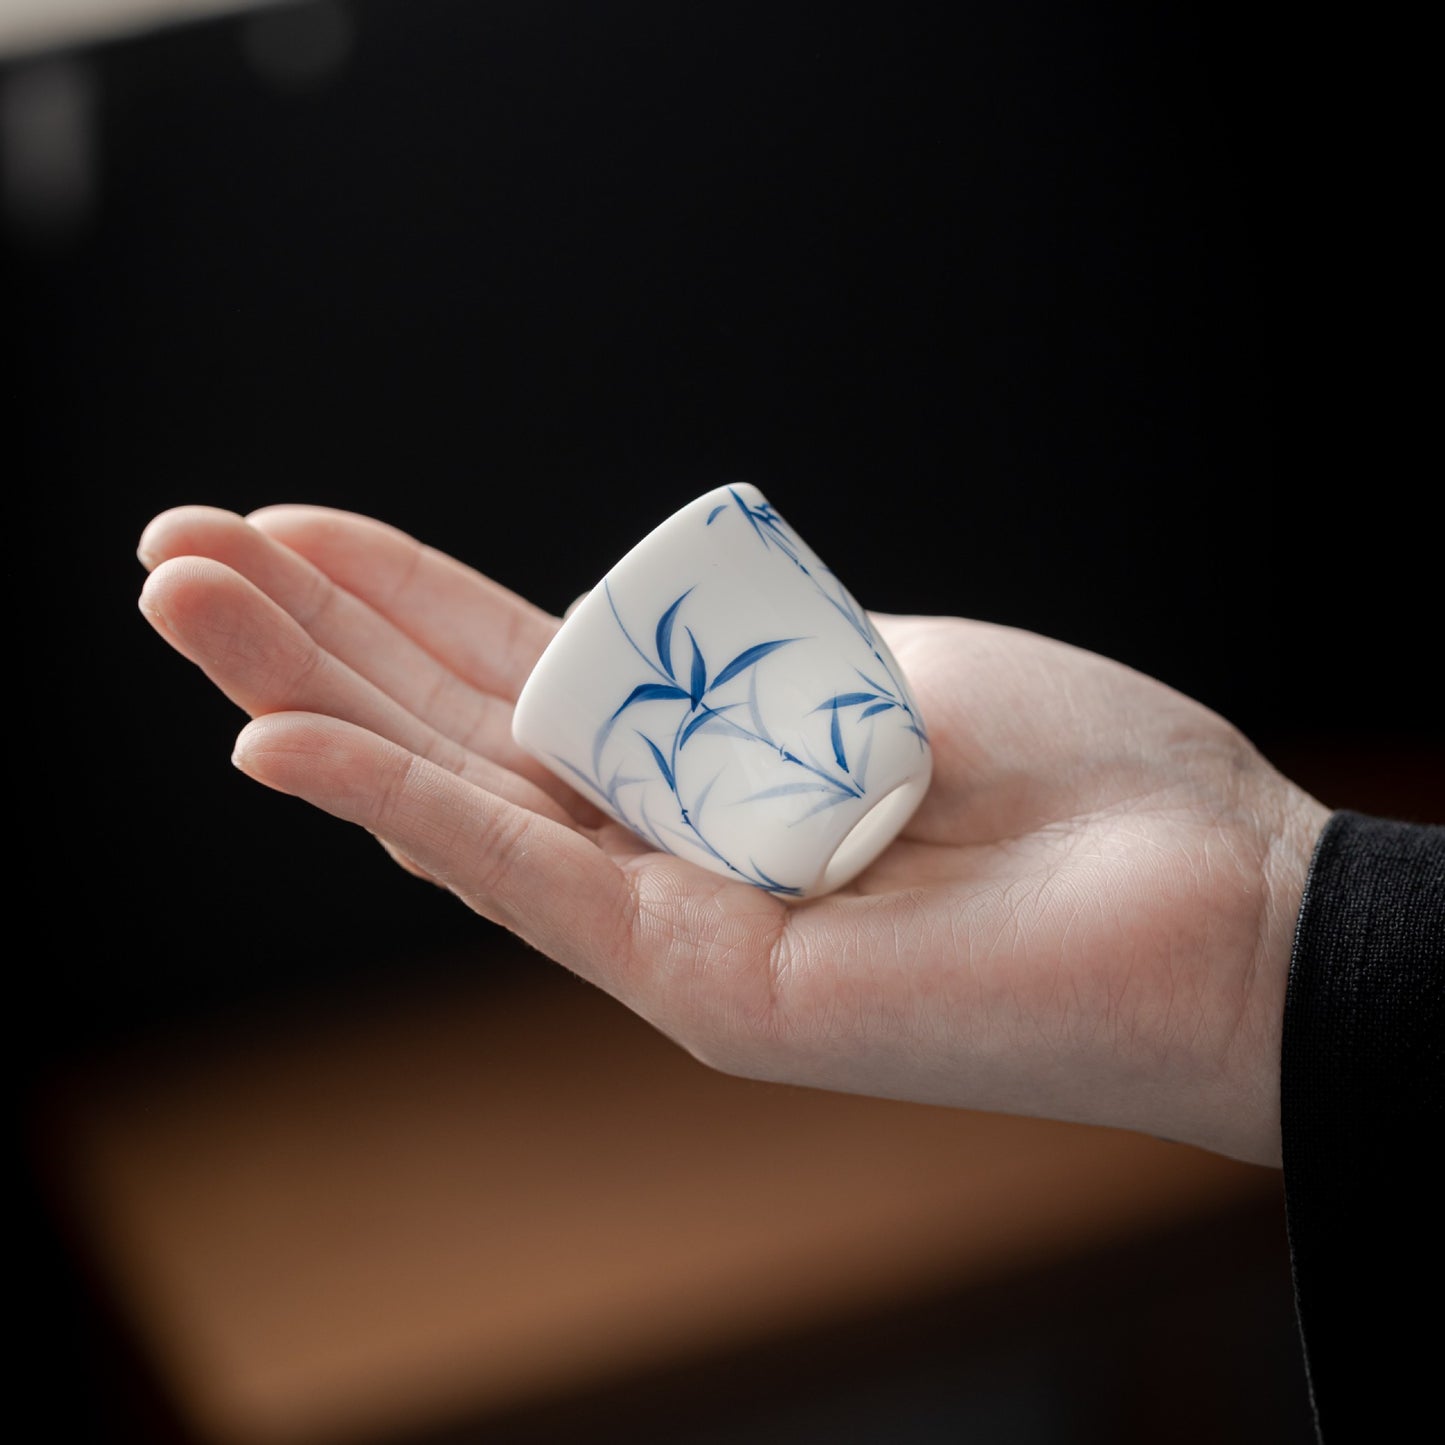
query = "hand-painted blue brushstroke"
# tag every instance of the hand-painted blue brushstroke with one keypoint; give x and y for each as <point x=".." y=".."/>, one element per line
<point x="662" y="763"/>
<point x="698" y="681"/>
<point x="664" y="634"/>
<point x="696" y="715"/>
<point x="773" y="533"/>
<point x="788" y="790"/>
<point x="772" y="885"/>
<point x="698" y="710"/>
<point x="748" y="657"/>
<point x="648" y="692"/>
<point x="835" y="736"/>
<point x="702" y="719"/>
<point x="846" y="699"/>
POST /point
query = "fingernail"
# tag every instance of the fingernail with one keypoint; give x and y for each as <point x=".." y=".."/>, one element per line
<point x="146" y="558"/>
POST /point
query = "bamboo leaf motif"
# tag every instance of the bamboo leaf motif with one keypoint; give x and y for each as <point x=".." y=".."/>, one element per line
<point x="591" y="782"/>
<point x="664" y="635"/>
<point x="846" y="699"/>
<point x="754" y="711"/>
<point x="702" y="796"/>
<point x="773" y="533"/>
<point x="821" y="806"/>
<point x="661" y="762"/>
<point x="771" y="884"/>
<point x="699" y="672"/>
<point x="818" y="783"/>
<point x="788" y="790"/>
<point x="716" y="725"/>
<point x="860" y="763"/>
<point x="835" y="736"/>
<point x="747" y="658"/>
<point x="701" y="720"/>
<point x="647" y="692"/>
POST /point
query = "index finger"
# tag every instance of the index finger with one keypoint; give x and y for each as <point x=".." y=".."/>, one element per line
<point x="431" y="597"/>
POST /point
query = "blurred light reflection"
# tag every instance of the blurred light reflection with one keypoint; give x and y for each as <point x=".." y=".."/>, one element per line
<point x="47" y="149"/>
<point x="299" y="47"/>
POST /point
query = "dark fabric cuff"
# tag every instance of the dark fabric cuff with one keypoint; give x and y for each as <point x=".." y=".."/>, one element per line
<point x="1361" y="1115"/>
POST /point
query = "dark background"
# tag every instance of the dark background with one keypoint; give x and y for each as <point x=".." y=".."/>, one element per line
<point x="1086" y="319"/>
<point x="1111" y="322"/>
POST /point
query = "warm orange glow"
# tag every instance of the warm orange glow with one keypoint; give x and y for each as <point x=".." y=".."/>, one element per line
<point x="460" y="1204"/>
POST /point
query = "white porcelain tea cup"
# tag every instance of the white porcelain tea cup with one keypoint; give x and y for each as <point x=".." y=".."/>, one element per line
<point x="723" y="695"/>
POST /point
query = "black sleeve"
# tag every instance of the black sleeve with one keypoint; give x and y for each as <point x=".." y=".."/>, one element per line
<point x="1361" y="1114"/>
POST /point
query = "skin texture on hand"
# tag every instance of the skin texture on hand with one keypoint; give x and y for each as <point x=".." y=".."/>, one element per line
<point x="1089" y="917"/>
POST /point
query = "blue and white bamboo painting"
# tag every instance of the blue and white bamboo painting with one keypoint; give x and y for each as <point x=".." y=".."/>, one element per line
<point x="680" y="695"/>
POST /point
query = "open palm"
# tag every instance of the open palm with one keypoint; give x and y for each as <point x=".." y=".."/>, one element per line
<point x="1087" y="918"/>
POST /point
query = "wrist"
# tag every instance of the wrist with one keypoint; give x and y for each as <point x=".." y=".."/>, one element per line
<point x="1292" y="829"/>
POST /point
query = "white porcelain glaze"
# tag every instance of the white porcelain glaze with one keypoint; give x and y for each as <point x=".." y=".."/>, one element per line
<point x="722" y="694"/>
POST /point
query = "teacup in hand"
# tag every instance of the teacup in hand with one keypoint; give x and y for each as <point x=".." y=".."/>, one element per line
<point x="723" y="695"/>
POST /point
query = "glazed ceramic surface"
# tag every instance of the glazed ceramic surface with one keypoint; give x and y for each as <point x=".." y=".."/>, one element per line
<point x="722" y="694"/>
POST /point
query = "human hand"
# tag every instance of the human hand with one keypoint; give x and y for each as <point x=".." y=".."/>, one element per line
<point x="1088" y="918"/>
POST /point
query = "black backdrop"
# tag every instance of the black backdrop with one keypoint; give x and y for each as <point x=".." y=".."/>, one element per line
<point x="1086" y="318"/>
<point x="1111" y="322"/>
